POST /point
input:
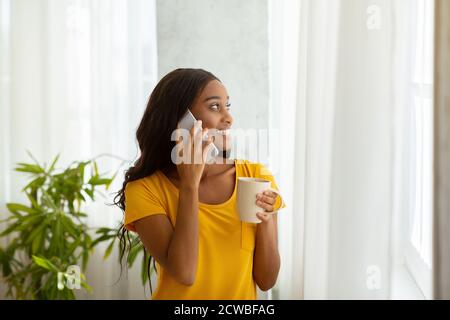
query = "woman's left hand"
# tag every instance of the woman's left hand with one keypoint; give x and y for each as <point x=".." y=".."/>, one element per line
<point x="265" y="200"/>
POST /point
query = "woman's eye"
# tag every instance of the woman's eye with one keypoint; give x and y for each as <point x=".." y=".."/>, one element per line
<point x="216" y="106"/>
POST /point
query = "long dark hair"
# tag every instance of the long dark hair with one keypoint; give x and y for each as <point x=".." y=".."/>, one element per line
<point x="168" y="102"/>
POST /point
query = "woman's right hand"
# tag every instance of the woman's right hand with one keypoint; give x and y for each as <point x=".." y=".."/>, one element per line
<point x="190" y="171"/>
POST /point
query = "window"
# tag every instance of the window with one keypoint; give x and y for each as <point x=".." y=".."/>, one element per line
<point x="418" y="253"/>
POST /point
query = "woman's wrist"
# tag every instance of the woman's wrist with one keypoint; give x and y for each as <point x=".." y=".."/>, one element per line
<point x="189" y="187"/>
<point x="268" y="225"/>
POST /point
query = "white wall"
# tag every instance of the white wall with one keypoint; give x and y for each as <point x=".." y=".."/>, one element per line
<point x="227" y="38"/>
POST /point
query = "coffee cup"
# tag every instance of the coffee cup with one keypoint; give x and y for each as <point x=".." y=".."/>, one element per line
<point x="247" y="189"/>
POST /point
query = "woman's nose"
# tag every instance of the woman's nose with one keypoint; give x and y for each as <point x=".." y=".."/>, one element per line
<point x="228" y="119"/>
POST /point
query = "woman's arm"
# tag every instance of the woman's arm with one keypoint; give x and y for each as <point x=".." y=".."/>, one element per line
<point x="266" y="260"/>
<point x="183" y="249"/>
<point x="175" y="249"/>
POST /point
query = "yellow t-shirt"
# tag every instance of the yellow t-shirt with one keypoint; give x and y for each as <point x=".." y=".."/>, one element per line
<point x="226" y="245"/>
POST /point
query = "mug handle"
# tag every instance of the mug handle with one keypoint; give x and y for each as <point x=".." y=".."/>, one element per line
<point x="282" y="201"/>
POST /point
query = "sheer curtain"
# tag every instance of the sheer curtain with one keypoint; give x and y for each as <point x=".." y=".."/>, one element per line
<point x="76" y="75"/>
<point x="342" y="97"/>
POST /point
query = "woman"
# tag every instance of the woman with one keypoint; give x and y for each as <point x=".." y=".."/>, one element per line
<point x="185" y="214"/>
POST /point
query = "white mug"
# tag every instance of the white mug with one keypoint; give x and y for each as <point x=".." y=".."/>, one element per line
<point x="247" y="189"/>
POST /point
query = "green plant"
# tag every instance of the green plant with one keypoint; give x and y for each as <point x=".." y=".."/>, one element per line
<point x="49" y="234"/>
<point x="135" y="249"/>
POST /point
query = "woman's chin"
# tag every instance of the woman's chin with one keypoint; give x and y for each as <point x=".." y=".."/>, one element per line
<point x="226" y="153"/>
<point x="223" y="143"/>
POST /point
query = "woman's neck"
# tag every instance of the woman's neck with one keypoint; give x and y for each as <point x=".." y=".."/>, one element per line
<point x="212" y="169"/>
<point x="209" y="170"/>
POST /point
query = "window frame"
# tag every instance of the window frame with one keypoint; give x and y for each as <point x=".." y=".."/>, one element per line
<point x="421" y="91"/>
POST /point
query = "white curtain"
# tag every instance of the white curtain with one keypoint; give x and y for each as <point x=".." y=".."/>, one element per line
<point x="76" y="75"/>
<point x="341" y="98"/>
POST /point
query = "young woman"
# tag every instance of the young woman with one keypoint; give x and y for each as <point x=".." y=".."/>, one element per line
<point x="185" y="214"/>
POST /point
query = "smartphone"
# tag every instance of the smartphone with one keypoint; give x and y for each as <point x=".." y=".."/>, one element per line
<point x="187" y="122"/>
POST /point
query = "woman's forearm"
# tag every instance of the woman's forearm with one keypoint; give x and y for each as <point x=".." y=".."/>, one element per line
<point x="266" y="260"/>
<point x="182" y="255"/>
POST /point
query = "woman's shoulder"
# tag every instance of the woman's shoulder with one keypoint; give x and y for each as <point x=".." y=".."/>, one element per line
<point x="148" y="183"/>
<point x="245" y="162"/>
<point x="252" y="168"/>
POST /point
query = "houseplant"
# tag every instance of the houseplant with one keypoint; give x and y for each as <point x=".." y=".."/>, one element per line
<point x="48" y="238"/>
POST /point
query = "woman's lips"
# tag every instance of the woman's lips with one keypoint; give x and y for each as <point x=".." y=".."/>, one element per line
<point x="221" y="138"/>
<point x="223" y="132"/>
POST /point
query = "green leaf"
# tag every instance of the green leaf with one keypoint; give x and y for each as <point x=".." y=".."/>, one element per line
<point x="112" y="178"/>
<point x="30" y="220"/>
<point x="89" y="192"/>
<point x="134" y="251"/>
<point x="17" y="207"/>
<point x="32" y="157"/>
<point x="52" y="166"/>
<point x="69" y="226"/>
<point x="104" y="230"/>
<point x="37" y="232"/>
<point x="15" y="216"/>
<point x="48" y="201"/>
<point x="101" y="239"/>
<point x="37" y="243"/>
<point x="57" y="239"/>
<point x="80" y="198"/>
<point x="81" y="168"/>
<point x="44" y="263"/>
<point x="33" y="200"/>
<point x="144" y="268"/>
<point x="10" y="229"/>
<point x="5" y="262"/>
<point x="96" y="168"/>
<point x="87" y="287"/>
<point x="87" y="240"/>
<point x="36" y="183"/>
<point x="30" y="168"/>
<point x="85" y="258"/>
<point x="96" y="181"/>
<point x="109" y="249"/>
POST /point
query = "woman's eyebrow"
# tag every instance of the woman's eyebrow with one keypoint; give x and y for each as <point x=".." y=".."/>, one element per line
<point x="215" y="97"/>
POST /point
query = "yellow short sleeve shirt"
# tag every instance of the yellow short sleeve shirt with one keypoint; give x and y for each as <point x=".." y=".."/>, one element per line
<point x="226" y="244"/>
